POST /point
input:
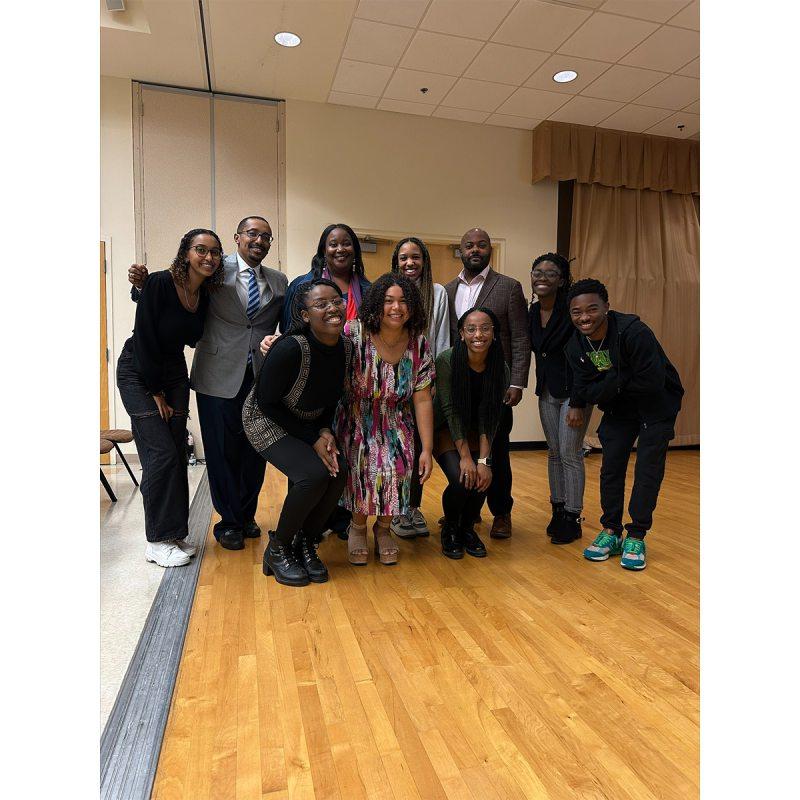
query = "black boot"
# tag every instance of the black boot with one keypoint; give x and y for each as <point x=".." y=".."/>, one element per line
<point x="452" y="544"/>
<point x="557" y="520"/>
<point x="570" y="529"/>
<point x="306" y="551"/>
<point x="281" y="561"/>
<point x="472" y="542"/>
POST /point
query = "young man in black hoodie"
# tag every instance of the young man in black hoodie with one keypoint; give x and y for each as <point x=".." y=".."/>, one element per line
<point x="618" y="364"/>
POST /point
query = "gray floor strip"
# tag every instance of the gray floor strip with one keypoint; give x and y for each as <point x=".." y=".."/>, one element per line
<point x="131" y="740"/>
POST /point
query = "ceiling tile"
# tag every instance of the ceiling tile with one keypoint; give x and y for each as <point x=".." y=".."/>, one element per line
<point x="460" y="113"/>
<point x="689" y="17"/>
<point x="406" y="84"/>
<point x="585" y="110"/>
<point x="540" y="26"/>
<point x="693" y="108"/>
<point x="376" y="42"/>
<point x="435" y="52"/>
<point x="587" y="71"/>
<point x="405" y="107"/>
<point x="669" y="127"/>
<point x="395" y="12"/>
<point x="692" y="69"/>
<point x="667" y="49"/>
<point x="675" y="92"/>
<point x="654" y="10"/>
<point x="504" y="64"/>
<point x="475" y="18"/>
<point x="532" y="103"/>
<point x="607" y="37"/>
<point x="634" y="118"/>
<point x="478" y="95"/>
<point x="360" y="100"/>
<point x="513" y="122"/>
<point x="623" y="83"/>
<point x="357" y="77"/>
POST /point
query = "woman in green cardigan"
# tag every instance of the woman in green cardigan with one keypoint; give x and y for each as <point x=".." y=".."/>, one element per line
<point x="471" y="381"/>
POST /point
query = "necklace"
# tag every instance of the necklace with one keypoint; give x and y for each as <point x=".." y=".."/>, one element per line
<point x="188" y="304"/>
<point x="386" y="344"/>
<point x="599" y="347"/>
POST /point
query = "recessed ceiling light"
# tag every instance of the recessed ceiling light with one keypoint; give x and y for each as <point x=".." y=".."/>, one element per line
<point x="565" y="76"/>
<point x="287" y="39"/>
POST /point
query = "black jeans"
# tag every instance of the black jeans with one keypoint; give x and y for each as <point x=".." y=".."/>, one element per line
<point x="313" y="493"/>
<point x="461" y="505"/>
<point x="499" y="496"/>
<point x="235" y="469"/>
<point x="161" y="445"/>
<point x="617" y="436"/>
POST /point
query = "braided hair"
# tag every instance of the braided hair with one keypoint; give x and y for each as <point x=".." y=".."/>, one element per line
<point x="425" y="278"/>
<point x="493" y="385"/>
<point x="318" y="261"/>
<point x="563" y="267"/>
<point x="588" y="286"/>
<point x="180" y="264"/>
<point x="371" y="311"/>
<point x="297" y="323"/>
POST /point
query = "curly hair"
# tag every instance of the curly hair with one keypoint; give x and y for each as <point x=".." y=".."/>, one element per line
<point x="371" y="311"/>
<point x="180" y="264"/>
<point x="298" y="324"/>
<point x="493" y="385"/>
<point x="563" y="267"/>
<point x="425" y="278"/>
<point x="588" y="286"/>
<point x="318" y="261"/>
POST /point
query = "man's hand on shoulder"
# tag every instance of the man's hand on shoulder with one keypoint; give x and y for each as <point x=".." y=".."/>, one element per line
<point x="137" y="275"/>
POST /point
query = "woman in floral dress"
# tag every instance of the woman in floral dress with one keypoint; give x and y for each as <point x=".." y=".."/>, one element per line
<point x="391" y="368"/>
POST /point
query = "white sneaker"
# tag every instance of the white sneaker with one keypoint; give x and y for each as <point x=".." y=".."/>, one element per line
<point x="187" y="548"/>
<point x="166" y="554"/>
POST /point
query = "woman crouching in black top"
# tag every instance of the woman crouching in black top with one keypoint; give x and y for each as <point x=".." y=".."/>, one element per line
<point x="287" y="418"/>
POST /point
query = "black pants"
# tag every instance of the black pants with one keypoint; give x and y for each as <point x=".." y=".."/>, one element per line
<point x="617" y="436"/>
<point x="499" y="496"/>
<point x="313" y="493"/>
<point x="415" y="499"/>
<point x="235" y="469"/>
<point x="161" y="445"/>
<point x="461" y="505"/>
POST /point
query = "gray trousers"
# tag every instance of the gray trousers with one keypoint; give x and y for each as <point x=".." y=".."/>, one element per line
<point x="564" y="451"/>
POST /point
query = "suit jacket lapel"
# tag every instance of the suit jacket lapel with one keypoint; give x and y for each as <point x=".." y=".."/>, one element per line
<point x="488" y="285"/>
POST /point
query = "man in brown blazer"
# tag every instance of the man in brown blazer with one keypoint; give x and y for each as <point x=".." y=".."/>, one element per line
<point x="479" y="285"/>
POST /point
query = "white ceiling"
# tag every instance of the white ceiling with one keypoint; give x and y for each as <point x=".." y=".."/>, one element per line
<point x="482" y="61"/>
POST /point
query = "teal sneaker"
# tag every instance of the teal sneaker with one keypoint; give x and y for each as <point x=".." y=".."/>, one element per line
<point x="605" y="545"/>
<point x="633" y="554"/>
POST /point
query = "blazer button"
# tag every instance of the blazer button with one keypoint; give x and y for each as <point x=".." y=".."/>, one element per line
<point x="544" y="355"/>
<point x="249" y="326"/>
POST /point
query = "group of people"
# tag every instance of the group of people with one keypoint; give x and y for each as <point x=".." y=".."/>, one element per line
<point x="369" y="383"/>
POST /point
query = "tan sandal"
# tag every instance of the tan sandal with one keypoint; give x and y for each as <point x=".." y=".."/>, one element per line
<point x="357" y="551"/>
<point x="386" y="550"/>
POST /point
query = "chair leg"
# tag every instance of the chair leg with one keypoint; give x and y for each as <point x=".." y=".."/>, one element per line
<point x="107" y="487"/>
<point x="124" y="461"/>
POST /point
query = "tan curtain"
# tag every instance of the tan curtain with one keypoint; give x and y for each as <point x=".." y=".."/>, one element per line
<point x="645" y="247"/>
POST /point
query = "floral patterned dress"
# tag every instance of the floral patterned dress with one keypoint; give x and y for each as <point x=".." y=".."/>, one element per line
<point x="374" y="425"/>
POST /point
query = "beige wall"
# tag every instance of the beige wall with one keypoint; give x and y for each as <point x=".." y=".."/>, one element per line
<point x="401" y="174"/>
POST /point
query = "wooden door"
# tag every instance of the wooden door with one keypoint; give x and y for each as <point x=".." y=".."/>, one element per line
<point x="104" y="459"/>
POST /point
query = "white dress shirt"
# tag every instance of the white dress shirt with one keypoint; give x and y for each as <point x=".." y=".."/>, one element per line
<point x="467" y="291"/>
<point x="243" y="281"/>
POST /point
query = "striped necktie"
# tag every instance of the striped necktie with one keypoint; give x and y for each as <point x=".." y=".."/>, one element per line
<point x="253" y="302"/>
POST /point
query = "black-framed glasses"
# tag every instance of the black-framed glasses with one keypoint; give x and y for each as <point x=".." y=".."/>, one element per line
<point x="252" y="233"/>
<point x="321" y="305"/>
<point x="550" y="274"/>
<point x="203" y="251"/>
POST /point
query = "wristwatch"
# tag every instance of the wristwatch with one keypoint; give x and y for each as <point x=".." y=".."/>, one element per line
<point x="487" y="462"/>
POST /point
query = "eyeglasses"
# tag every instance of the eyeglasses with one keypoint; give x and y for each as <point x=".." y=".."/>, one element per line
<point x="254" y="234"/>
<point x="472" y="329"/>
<point x="203" y="251"/>
<point x="550" y="274"/>
<point x="321" y="305"/>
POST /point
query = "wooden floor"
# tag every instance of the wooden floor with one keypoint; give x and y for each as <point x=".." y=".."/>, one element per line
<point x="532" y="673"/>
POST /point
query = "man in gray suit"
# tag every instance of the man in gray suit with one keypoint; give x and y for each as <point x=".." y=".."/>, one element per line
<point x="246" y="308"/>
<point x="479" y="285"/>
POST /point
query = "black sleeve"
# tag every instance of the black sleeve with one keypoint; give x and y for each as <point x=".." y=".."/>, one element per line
<point x="276" y="378"/>
<point x="149" y="359"/>
<point x="590" y="385"/>
<point x="645" y="370"/>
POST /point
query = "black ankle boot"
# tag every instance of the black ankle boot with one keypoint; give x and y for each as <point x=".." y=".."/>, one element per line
<point x="306" y="551"/>
<point x="472" y="542"/>
<point x="570" y="529"/>
<point x="281" y="561"/>
<point x="452" y="544"/>
<point x="557" y="520"/>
